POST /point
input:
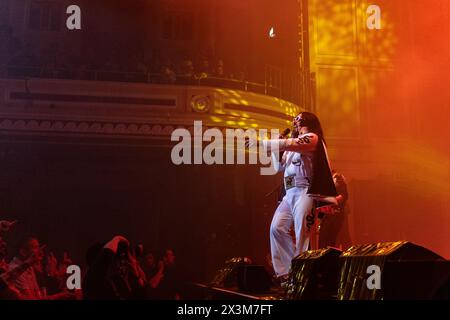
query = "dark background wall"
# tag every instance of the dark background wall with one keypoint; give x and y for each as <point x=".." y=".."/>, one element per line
<point x="73" y="195"/>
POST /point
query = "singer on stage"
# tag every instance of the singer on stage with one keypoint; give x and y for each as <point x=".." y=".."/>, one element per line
<point x="307" y="178"/>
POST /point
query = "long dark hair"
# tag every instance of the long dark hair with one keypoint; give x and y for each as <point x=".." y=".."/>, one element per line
<point x="312" y="122"/>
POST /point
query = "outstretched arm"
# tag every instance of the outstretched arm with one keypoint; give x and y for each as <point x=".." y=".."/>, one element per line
<point x="304" y="143"/>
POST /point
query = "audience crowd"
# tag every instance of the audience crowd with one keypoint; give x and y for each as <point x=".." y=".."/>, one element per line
<point x="23" y="60"/>
<point x="114" y="270"/>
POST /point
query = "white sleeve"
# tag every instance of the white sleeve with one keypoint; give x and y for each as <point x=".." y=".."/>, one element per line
<point x="304" y="143"/>
<point x="278" y="164"/>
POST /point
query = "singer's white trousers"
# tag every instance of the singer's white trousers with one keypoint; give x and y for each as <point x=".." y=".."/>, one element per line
<point x="295" y="209"/>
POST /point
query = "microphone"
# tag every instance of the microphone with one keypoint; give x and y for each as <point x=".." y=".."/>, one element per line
<point x="284" y="134"/>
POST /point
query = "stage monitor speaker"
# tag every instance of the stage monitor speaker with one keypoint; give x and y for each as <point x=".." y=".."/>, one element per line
<point x="391" y="260"/>
<point x="314" y="275"/>
<point x="416" y="280"/>
<point x="227" y="276"/>
<point x="253" y="279"/>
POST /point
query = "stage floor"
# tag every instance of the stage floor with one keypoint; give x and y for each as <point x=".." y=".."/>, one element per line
<point x="208" y="292"/>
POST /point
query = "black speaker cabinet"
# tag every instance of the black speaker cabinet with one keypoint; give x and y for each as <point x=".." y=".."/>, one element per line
<point x="227" y="276"/>
<point x="406" y="271"/>
<point x="253" y="279"/>
<point x="314" y="275"/>
<point x="416" y="280"/>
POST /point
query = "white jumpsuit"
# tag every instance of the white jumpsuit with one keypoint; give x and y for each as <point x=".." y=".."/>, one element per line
<point x="296" y="207"/>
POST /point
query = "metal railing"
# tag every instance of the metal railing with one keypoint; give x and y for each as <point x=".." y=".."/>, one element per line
<point x="275" y="85"/>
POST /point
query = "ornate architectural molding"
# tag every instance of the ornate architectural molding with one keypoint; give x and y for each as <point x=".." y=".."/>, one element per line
<point x="48" y="106"/>
<point x="85" y="127"/>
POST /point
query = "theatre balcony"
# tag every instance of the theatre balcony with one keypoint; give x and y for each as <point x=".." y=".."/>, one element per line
<point x="135" y="105"/>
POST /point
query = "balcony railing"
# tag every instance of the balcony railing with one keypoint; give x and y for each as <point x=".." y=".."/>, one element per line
<point x="289" y="91"/>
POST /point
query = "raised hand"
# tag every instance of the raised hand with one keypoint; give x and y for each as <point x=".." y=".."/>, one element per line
<point x="66" y="260"/>
<point x="133" y="263"/>
<point x="52" y="265"/>
<point x="113" y="244"/>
